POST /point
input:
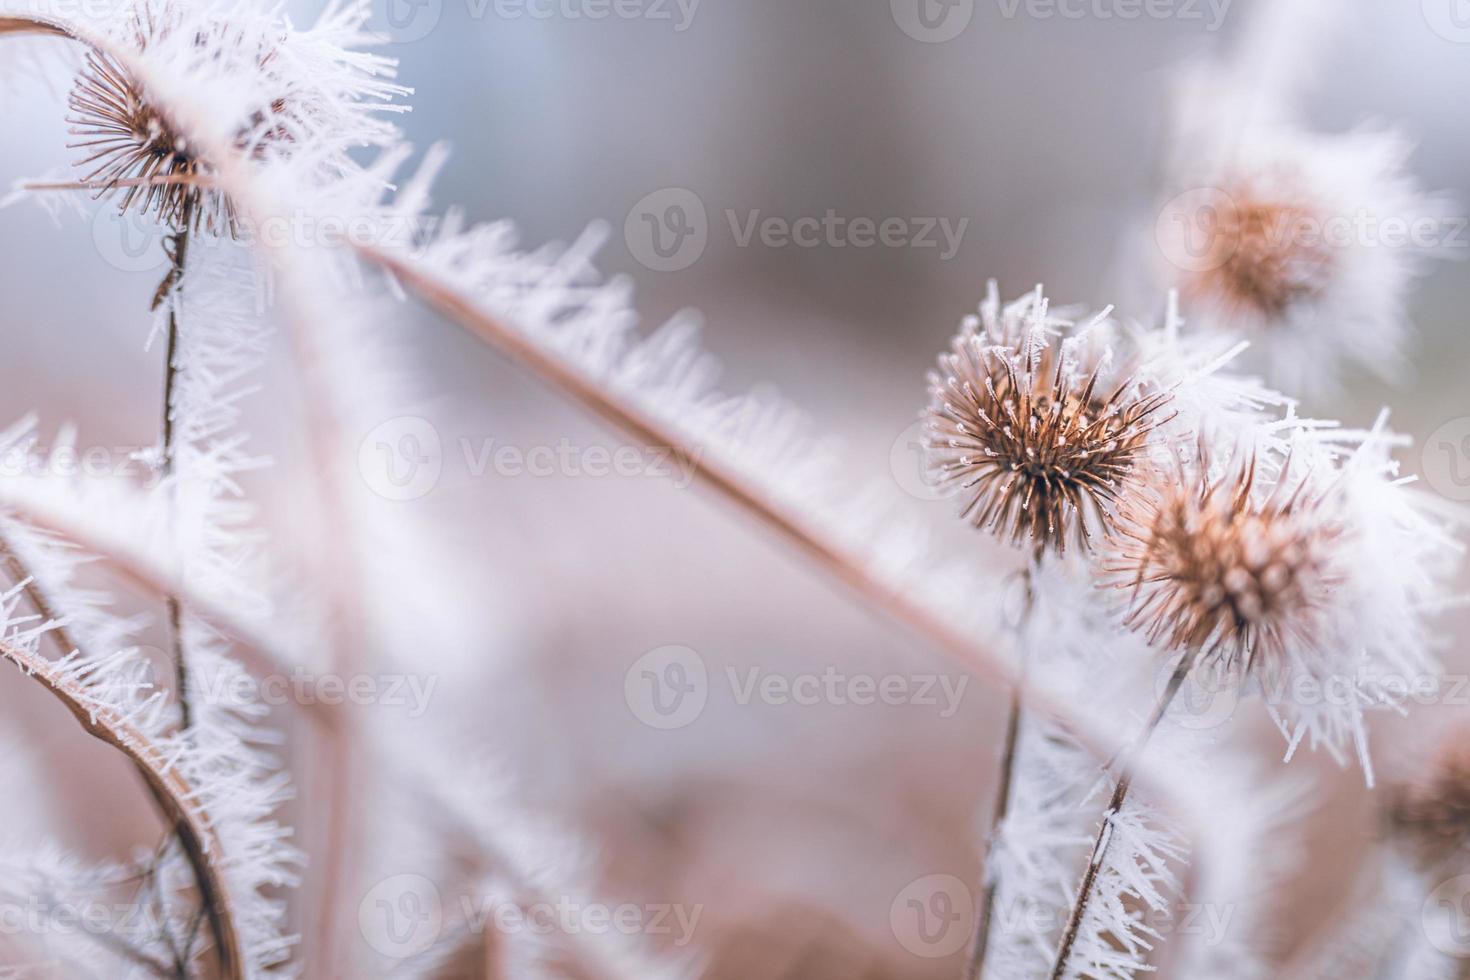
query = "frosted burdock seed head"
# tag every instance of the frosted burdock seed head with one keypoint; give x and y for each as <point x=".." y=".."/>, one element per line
<point x="1265" y="256"/>
<point x="131" y="145"/>
<point x="1431" y="817"/>
<point x="1307" y="242"/>
<point x="304" y="105"/>
<point x="1215" y="566"/>
<point x="1024" y="429"/>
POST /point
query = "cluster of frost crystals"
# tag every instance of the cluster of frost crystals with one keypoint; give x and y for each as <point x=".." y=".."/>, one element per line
<point x="1371" y="642"/>
<point x="1398" y="557"/>
<point x="1307" y="242"/>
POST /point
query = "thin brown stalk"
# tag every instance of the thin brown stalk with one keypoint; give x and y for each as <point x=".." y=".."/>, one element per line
<point x="32" y="25"/>
<point x="161" y="180"/>
<point x="1104" y="839"/>
<point x="166" y="785"/>
<point x="178" y="255"/>
<point x="980" y="942"/>
<point x="829" y="555"/>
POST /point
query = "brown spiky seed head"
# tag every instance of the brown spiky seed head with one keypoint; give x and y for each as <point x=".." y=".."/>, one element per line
<point x="1266" y="253"/>
<point x="1431" y="818"/>
<point x="1215" y="567"/>
<point x="1035" y="450"/>
<point x="134" y="149"/>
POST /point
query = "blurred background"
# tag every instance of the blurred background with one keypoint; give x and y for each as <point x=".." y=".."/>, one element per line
<point x="1033" y="140"/>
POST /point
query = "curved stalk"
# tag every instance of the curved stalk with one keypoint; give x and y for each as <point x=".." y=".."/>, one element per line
<point x="169" y="790"/>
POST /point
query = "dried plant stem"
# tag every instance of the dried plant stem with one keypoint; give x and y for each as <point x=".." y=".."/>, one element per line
<point x="63" y="640"/>
<point x="169" y="789"/>
<point x="168" y="291"/>
<point x="830" y="555"/>
<point x="20" y="574"/>
<point x="160" y="180"/>
<point x="980" y="943"/>
<point x="1115" y="806"/>
<point x="32" y="25"/>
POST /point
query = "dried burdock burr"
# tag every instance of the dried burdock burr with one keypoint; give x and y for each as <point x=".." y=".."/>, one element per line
<point x="1214" y="567"/>
<point x="1027" y="431"/>
<point x="1266" y="254"/>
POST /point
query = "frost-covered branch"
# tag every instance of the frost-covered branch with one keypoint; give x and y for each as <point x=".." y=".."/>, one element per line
<point x="176" y="798"/>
